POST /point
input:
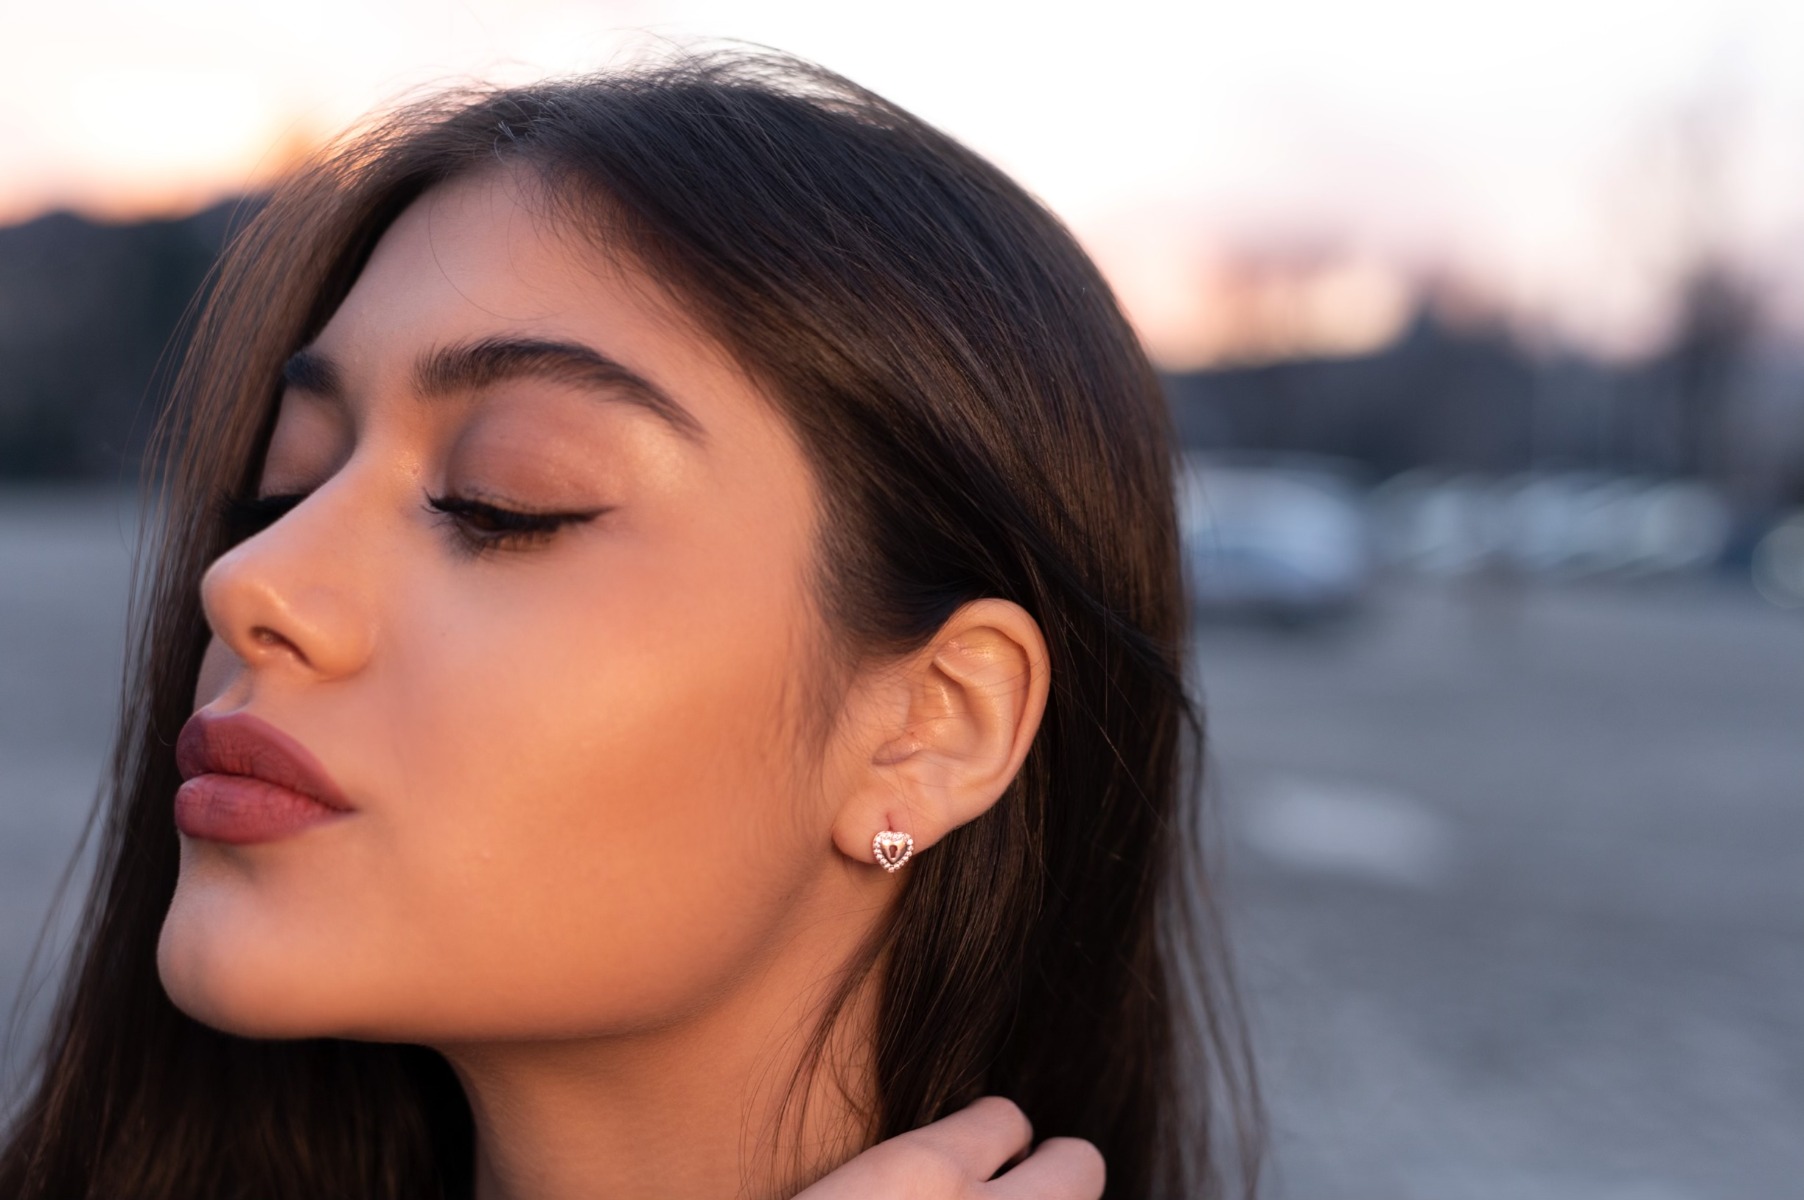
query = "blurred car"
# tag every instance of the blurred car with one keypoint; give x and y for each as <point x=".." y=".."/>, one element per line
<point x="1286" y="540"/>
<point x="1778" y="563"/>
<point x="1566" y="525"/>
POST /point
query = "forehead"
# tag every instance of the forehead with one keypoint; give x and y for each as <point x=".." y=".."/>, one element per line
<point x="483" y="259"/>
<point x="484" y="254"/>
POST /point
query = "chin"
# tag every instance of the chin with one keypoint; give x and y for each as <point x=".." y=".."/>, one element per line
<point x="226" y="976"/>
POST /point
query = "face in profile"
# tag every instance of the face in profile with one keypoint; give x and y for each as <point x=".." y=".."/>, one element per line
<point x="543" y="616"/>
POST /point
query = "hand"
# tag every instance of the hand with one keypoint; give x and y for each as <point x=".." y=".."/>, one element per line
<point x="954" y="1159"/>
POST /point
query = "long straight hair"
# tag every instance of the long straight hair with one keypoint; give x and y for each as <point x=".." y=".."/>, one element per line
<point x="982" y="422"/>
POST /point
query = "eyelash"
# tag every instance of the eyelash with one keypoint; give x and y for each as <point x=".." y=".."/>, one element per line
<point x="479" y="527"/>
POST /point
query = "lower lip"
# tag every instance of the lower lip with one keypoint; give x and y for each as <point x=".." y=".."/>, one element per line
<point x="240" y="810"/>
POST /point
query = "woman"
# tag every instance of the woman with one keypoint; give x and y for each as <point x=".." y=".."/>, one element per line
<point x="666" y="649"/>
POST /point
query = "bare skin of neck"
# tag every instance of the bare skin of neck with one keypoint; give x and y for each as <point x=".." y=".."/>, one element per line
<point x="694" y="1110"/>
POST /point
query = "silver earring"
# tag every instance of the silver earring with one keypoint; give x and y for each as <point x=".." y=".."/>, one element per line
<point x="892" y="849"/>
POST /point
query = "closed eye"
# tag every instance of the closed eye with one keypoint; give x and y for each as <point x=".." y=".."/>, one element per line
<point x="482" y="526"/>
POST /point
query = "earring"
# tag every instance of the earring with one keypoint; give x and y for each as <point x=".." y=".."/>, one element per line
<point x="892" y="849"/>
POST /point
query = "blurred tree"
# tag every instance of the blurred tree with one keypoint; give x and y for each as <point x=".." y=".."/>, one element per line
<point x="1718" y="320"/>
<point x="89" y="314"/>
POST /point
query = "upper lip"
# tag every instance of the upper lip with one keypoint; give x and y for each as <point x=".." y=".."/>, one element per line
<point x="241" y="744"/>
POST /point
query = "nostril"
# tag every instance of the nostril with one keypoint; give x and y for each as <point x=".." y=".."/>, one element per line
<point x="263" y="635"/>
<point x="273" y="614"/>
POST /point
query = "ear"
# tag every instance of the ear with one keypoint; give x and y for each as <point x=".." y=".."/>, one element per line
<point x="942" y="733"/>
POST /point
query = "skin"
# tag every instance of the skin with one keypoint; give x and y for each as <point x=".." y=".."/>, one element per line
<point x="595" y="859"/>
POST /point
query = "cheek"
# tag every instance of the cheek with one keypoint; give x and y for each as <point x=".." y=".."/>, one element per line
<point x="596" y="818"/>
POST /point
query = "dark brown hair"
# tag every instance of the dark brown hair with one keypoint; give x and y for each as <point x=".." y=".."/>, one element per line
<point x="982" y="422"/>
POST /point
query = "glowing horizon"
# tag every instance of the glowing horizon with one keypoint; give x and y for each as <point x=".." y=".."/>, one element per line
<point x="1541" y="153"/>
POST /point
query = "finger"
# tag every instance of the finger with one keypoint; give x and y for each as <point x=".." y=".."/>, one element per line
<point x="978" y="1138"/>
<point x="1058" y="1169"/>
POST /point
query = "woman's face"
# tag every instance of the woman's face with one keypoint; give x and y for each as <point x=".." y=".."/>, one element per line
<point x="571" y="758"/>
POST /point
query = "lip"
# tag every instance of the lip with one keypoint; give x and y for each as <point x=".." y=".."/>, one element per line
<point x="246" y="781"/>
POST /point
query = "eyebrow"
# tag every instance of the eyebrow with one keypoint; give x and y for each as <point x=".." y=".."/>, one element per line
<point x="464" y="367"/>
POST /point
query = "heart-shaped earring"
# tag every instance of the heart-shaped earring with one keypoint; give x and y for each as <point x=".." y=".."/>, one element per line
<point x="892" y="849"/>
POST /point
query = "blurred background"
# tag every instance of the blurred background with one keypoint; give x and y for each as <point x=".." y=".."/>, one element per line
<point x="1483" y="329"/>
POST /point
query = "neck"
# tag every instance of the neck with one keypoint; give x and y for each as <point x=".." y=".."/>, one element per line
<point x="696" y="1110"/>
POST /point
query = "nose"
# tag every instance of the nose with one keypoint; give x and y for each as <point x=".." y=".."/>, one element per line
<point x="292" y="597"/>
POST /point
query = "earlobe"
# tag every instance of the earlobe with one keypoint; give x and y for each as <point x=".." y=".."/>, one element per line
<point x="892" y="849"/>
<point x="958" y="719"/>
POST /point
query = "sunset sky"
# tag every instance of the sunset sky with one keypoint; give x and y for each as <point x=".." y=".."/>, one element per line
<point x="1557" y="161"/>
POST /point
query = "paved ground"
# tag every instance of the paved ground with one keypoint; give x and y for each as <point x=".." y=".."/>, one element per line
<point x="1521" y="893"/>
<point x="64" y="563"/>
<point x="1518" y="884"/>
